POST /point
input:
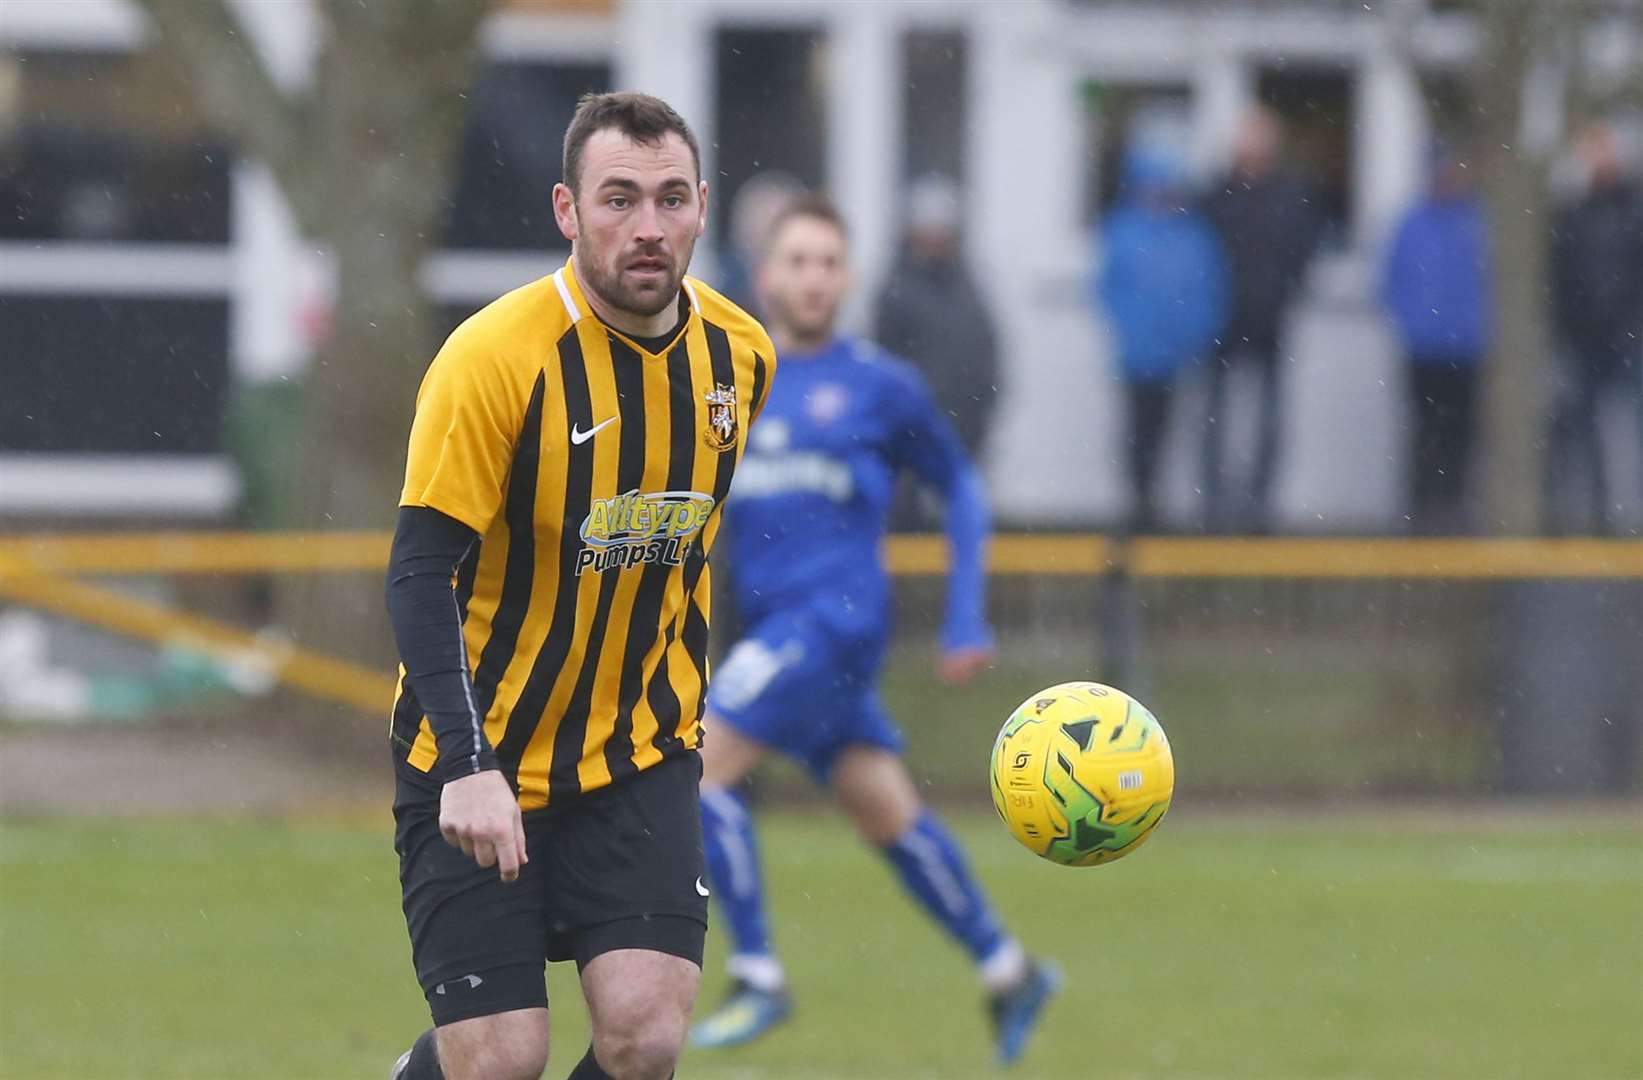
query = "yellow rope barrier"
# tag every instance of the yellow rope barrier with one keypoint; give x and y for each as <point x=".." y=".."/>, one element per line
<point x="33" y="569"/>
<point x="1229" y="557"/>
<point x="1052" y="555"/>
<point x="324" y="677"/>
<point x="196" y="552"/>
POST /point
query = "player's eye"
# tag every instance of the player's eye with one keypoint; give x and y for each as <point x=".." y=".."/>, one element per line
<point x="673" y="202"/>
<point x="617" y="202"/>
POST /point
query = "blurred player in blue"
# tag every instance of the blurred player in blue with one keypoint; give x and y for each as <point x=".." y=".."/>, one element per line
<point x="806" y="520"/>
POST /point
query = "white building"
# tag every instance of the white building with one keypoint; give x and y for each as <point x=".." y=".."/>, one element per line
<point x="1022" y="98"/>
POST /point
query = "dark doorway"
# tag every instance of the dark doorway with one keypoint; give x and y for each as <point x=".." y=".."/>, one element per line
<point x="771" y="111"/>
<point x="934" y="113"/>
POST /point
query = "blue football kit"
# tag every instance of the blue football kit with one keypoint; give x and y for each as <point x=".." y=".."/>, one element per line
<point x="805" y="525"/>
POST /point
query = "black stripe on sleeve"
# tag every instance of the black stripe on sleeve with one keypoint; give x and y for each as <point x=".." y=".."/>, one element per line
<point x="533" y="697"/>
<point x="756" y="406"/>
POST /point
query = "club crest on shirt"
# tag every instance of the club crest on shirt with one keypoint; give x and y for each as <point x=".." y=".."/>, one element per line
<point x="722" y="428"/>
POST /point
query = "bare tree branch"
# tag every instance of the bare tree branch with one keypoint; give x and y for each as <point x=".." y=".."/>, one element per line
<point x="232" y="84"/>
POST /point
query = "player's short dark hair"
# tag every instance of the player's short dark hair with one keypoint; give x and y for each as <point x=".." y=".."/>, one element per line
<point x="813" y="206"/>
<point x="641" y="117"/>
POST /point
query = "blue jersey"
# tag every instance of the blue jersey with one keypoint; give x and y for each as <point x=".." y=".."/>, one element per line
<point x="806" y="515"/>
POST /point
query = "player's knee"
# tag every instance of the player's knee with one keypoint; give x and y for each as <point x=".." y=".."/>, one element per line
<point x="646" y="1049"/>
<point x="878" y="795"/>
<point x="883" y="823"/>
<point x="514" y="1054"/>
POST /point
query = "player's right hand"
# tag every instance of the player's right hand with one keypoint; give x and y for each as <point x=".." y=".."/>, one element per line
<point x="480" y="815"/>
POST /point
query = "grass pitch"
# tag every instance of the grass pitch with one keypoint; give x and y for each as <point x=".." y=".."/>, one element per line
<point x="1418" y="943"/>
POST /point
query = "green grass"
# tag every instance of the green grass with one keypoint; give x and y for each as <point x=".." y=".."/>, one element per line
<point x="1425" y="944"/>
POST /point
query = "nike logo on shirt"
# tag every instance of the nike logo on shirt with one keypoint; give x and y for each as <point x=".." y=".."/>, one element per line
<point x="578" y="437"/>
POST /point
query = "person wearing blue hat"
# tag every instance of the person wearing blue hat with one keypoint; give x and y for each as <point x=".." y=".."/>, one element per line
<point x="1163" y="286"/>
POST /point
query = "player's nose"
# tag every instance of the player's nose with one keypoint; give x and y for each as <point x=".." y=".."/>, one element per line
<point x="647" y="224"/>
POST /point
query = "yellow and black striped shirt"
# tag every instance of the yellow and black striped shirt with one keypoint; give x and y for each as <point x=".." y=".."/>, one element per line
<point x="594" y="470"/>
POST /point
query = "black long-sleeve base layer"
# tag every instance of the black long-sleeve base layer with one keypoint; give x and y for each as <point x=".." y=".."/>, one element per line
<point x="428" y="547"/>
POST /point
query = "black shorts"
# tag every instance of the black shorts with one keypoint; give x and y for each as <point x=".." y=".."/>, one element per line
<point x="619" y="868"/>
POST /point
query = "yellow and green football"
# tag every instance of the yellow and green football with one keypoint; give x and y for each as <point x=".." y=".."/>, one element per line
<point x="1082" y="774"/>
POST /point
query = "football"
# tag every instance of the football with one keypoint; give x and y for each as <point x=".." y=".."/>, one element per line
<point x="1082" y="774"/>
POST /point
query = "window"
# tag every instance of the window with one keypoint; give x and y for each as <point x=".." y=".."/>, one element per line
<point x="109" y="147"/>
<point x="934" y="113"/>
<point x="109" y="375"/>
<point x="770" y="109"/>
<point x="511" y="152"/>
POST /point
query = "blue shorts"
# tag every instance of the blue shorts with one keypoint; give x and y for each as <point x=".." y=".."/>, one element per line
<point x="793" y="686"/>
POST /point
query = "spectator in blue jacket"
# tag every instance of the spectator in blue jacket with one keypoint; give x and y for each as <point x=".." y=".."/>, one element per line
<point x="1436" y="288"/>
<point x="1163" y="285"/>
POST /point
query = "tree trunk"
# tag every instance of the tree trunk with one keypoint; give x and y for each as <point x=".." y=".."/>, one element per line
<point x="357" y="411"/>
<point x="396" y="76"/>
<point x="364" y="159"/>
<point x="1565" y="686"/>
<point x="1513" y="415"/>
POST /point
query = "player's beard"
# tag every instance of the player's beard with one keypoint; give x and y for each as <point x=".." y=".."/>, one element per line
<point x="647" y="300"/>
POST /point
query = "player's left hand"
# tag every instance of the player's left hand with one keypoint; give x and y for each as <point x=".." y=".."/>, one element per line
<point x="480" y="815"/>
<point x="959" y="666"/>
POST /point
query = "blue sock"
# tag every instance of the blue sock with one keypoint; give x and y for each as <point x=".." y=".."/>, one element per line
<point x="733" y="869"/>
<point x="933" y="868"/>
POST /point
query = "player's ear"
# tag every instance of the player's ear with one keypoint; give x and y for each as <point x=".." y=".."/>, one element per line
<point x="701" y="208"/>
<point x="564" y="211"/>
<point x="761" y="274"/>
